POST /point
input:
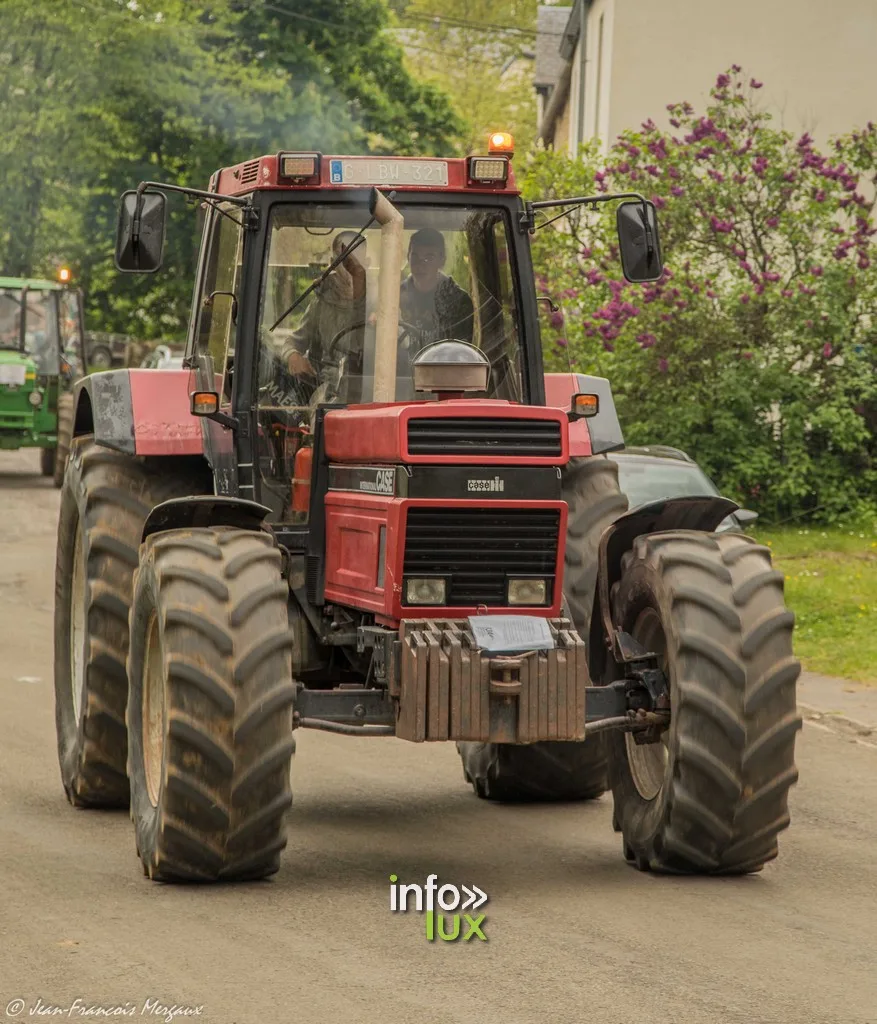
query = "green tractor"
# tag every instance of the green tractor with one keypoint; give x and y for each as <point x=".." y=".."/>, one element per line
<point x="41" y="357"/>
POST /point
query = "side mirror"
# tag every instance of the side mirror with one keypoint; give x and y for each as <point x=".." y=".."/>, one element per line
<point x="745" y="515"/>
<point x="140" y="234"/>
<point x="640" y="244"/>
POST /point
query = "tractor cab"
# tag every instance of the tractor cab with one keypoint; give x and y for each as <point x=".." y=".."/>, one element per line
<point x="41" y="355"/>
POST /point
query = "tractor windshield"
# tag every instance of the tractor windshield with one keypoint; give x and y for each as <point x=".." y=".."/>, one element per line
<point x="41" y="331"/>
<point x="457" y="284"/>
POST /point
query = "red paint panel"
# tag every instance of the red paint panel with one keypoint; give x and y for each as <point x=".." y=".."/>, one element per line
<point x="163" y="424"/>
<point x="239" y="179"/>
<point x="559" y="389"/>
<point x="353" y="527"/>
<point x="379" y="433"/>
<point x="353" y="523"/>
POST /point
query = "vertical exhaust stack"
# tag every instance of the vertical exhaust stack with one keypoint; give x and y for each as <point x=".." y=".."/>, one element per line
<point x="389" y="280"/>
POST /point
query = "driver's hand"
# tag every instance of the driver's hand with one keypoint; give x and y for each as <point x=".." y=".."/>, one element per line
<point x="299" y="365"/>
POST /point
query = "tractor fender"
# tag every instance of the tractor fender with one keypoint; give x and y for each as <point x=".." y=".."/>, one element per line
<point x="206" y="510"/>
<point x="597" y="434"/>
<point x="698" y="512"/>
<point x="138" y="412"/>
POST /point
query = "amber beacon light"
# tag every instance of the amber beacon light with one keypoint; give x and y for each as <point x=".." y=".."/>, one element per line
<point x="501" y="142"/>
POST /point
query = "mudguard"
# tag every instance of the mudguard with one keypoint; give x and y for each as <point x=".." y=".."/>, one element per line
<point x="138" y="412"/>
<point x="598" y="434"/>
<point x="700" y="512"/>
<point x="205" y="510"/>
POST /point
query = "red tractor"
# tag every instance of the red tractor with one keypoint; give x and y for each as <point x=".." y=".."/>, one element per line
<point x="362" y="507"/>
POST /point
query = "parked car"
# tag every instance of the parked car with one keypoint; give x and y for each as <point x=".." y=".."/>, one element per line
<point x="161" y="358"/>
<point x="655" y="472"/>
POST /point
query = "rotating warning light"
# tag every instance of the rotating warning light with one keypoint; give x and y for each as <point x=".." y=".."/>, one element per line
<point x="501" y="142"/>
<point x="64" y="275"/>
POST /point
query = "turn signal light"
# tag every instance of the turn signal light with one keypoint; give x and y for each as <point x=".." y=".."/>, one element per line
<point x="204" y="403"/>
<point x="584" y="406"/>
<point x="501" y="142"/>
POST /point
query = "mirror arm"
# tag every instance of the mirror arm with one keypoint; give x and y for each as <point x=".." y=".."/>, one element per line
<point x="224" y="420"/>
<point x="528" y="217"/>
<point x="194" y="192"/>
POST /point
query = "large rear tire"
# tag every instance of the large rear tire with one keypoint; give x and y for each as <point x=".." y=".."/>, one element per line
<point x="712" y="797"/>
<point x="65" y="436"/>
<point x="105" y="499"/>
<point x="560" y="771"/>
<point x="210" y="706"/>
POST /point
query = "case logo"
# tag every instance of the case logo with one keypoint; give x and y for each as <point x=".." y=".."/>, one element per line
<point x="496" y="484"/>
<point x="383" y="482"/>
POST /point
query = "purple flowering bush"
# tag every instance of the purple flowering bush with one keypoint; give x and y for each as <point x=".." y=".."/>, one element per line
<point x="757" y="350"/>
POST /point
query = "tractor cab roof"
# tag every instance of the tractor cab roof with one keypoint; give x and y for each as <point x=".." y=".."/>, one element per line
<point x="31" y="283"/>
<point x="316" y="171"/>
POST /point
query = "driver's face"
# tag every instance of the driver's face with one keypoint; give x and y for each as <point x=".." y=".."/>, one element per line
<point x="426" y="262"/>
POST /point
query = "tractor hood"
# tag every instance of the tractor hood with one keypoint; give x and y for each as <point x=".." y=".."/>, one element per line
<point x="486" y="432"/>
<point x="17" y="370"/>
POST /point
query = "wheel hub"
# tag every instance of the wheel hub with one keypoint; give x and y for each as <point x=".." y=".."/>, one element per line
<point x="648" y="761"/>
<point x="153" y="711"/>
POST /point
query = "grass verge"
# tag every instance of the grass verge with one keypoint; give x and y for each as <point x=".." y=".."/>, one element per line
<point x="831" y="585"/>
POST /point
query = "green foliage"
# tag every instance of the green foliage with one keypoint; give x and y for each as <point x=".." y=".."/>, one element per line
<point x="103" y="94"/>
<point x="757" y="350"/>
<point x="481" y="53"/>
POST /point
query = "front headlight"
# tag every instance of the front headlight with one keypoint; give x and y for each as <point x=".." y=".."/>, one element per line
<point x="35" y="398"/>
<point x="533" y="592"/>
<point x="424" y="591"/>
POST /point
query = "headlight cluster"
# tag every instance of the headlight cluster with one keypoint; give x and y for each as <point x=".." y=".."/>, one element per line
<point x="426" y="591"/>
<point x="35" y="398"/>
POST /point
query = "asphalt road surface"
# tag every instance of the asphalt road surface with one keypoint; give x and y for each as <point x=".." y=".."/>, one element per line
<point x="573" y="933"/>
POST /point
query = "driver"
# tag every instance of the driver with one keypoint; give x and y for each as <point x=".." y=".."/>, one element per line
<point x="339" y="303"/>
<point x="430" y="300"/>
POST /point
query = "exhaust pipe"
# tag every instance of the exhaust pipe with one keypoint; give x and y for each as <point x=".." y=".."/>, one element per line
<point x="389" y="280"/>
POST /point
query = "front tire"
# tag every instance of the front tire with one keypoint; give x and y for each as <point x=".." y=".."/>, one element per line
<point x="712" y="797"/>
<point x="65" y="436"/>
<point x="105" y="499"/>
<point x="559" y="771"/>
<point x="210" y="706"/>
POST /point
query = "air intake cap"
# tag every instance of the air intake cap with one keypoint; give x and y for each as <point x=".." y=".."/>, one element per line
<point x="451" y="366"/>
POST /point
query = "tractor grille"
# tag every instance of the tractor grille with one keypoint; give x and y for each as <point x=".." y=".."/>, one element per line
<point x="477" y="550"/>
<point x="484" y="435"/>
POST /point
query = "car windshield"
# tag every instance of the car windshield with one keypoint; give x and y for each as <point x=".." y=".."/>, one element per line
<point x="650" y="479"/>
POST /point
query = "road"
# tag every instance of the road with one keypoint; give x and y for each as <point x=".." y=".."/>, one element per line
<point x="573" y="933"/>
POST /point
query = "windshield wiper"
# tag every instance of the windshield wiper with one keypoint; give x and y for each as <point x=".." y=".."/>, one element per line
<point x="357" y="240"/>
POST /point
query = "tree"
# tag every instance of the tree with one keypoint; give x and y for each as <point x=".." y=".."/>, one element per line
<point x="481" y="53"/>
<point x="757" y="349"/>
<point x="104" y="94"/>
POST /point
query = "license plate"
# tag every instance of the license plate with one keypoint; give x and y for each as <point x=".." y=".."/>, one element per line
<point x="12" y="373"/>
<point x="508" y="634"/>
<point x="388" y="172"/>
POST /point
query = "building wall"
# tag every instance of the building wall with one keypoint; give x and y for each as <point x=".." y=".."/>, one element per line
<point x="818" y="60"/>
<point x="599" y="69"/>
